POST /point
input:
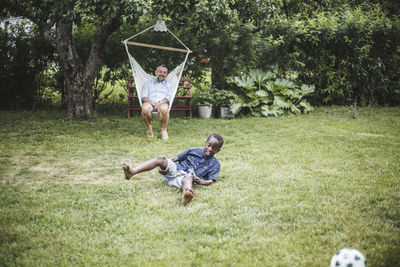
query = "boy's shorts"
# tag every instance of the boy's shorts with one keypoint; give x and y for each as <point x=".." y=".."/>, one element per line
<point x="174" y="176"/>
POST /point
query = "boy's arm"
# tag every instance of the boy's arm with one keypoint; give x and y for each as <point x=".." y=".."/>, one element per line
<point x="181" y="156"/>
<point x="213" y="172"/>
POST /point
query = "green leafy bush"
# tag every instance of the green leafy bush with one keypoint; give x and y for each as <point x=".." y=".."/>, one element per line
<point x="225" y="98"/>
<point x="263" y="94"/>
<point x="204" y="98"/>
<point x="25" y="69"/>
<point x="350" y="56"/>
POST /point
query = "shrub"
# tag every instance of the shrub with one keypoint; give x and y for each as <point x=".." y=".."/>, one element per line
<point x="263" y="94"/>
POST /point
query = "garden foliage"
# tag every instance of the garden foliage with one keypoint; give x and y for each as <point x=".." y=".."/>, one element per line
<point x="25" y="66"/>
<point x="349" y="50"/>
<point x="264" y="94"/>
<point x="350" y="56"/>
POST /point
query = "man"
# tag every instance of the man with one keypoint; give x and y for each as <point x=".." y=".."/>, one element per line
<point x="156" y="95"/>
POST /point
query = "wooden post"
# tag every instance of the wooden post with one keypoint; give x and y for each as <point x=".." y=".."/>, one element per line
<point x="158" y="47"/>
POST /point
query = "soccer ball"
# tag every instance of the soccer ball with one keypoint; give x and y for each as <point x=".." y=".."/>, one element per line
<point x="348" y="257"/>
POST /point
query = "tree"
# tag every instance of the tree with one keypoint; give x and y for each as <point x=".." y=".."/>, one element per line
<point x="57" y="20"/>
<point x="25" y="55"/>
<point x="350" y="56"/>
<point x="223" y="31"/>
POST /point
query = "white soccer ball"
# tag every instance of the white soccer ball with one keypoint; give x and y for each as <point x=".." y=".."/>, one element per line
<point x="348" y="257"/>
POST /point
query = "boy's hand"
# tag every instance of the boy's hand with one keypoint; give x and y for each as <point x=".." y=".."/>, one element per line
<point x="174" y="159"/>
<point x="197" y="180"/>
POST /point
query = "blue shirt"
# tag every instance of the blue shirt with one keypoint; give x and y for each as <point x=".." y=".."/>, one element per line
<point x="156" y="91"/>
<point x="206" y="168"/>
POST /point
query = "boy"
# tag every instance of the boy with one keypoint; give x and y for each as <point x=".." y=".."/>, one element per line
<point x="193" y="165"/>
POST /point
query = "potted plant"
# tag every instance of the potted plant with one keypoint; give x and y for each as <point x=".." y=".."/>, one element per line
<point x="223" y="100"/>
<point x="205" y="102"/>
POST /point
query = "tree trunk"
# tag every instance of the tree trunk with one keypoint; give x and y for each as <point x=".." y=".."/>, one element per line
<point x="61" y="87"/>
<point x="79" y="98"/>
<point x="217" y="74"/>
<point x="355" y="109"/>
<point x="80" y="77"/>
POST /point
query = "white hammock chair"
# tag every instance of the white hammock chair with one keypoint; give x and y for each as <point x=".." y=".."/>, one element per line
<point x="141" y="77"/>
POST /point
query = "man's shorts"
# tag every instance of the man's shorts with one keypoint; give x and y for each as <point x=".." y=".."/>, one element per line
<point x="174" y="176"/>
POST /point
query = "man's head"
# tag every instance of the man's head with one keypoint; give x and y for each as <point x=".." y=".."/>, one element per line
<point x="161" y="73"/>
<point x="213" y="144"/>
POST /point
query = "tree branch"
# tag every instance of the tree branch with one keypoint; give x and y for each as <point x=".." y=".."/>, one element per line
<point x="94" y="60"/>
<point x="46" y="28"/>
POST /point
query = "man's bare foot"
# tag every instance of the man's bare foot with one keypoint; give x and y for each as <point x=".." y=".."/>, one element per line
<point x="187" y="196"/>
<point x="128" y="171"/>
<point x="150" y="133"/>
<point x="164" y="135"/>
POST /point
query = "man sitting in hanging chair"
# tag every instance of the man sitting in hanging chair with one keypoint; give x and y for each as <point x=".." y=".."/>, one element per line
<point x="156" y="95"/>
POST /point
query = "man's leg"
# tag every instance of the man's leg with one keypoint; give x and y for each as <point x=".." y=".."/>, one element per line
<point x="163" y="110"/>
<point x="147" y="108"/>
<point x="187" y="189"/>
<point x="159" y="161"/>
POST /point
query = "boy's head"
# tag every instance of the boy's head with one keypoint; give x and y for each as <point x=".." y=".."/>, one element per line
<point x="213" y="144"/>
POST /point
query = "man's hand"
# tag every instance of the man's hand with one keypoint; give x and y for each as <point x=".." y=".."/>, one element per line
<point x="174" y="159"/>
<point x="155" y="106"/>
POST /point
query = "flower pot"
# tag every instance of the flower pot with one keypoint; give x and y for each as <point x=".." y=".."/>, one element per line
<point x="205" y="111"/>
<point x="225" y="113"/>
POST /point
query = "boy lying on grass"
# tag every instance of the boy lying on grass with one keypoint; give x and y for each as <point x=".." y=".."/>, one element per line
<point x="194" y="165"/>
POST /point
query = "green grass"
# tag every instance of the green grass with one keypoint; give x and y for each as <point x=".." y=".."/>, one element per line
<point x="292" y="191"/>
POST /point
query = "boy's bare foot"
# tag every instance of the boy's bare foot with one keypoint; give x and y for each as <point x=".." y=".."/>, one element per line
<point x="127" y="170"/>
<point x="164" y="135"/>
<point x="187" y="195"/>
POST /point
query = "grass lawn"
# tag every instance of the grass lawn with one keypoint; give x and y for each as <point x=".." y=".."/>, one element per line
<point x="292" y="191"/>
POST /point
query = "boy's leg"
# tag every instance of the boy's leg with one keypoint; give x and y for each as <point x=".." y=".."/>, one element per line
<point x="159" y="161"/>
<point x="187" y="189"/>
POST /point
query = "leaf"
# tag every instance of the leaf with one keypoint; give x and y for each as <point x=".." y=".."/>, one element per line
<point x="243" y="81"/>
<point x="253" y="103"/>
<point x="281" y="102"/>
<point x="306" y="106"/>
<point x="283" y="83"/>
<point x="235" y="108"/>
<point x="262" y="96"/>
<point x="259" y="76"/>
<point x="261" y="93"/>
<point x="307" y="89"/>
<point x="270" y="86"/>
<point x="292" y="93"/>
<point x="271" y="110"/>
<point x="294" y="109"/>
